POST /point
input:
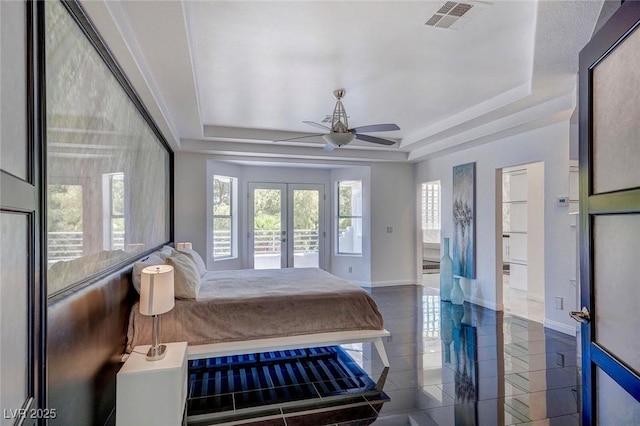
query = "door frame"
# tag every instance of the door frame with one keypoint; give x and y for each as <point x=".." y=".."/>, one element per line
<point x="286" y="214"/>
<point x="621" y="24"/>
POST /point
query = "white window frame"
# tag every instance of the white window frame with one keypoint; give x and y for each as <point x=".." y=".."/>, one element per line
<point x="354" y="215"/>
<point x="232" y="216"/>
<point x="431" y="196"/>
<point x="107" y="213"/>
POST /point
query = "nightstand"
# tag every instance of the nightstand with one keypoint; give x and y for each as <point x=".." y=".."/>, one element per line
<point x="153" y="392"/>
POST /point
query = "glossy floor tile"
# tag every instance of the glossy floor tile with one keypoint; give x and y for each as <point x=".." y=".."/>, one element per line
<point x="454" y="365"/>
<point x="467" y="365"/>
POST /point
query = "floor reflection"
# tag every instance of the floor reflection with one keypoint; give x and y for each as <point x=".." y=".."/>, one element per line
<point x="314" y="386"/>
<point x="466" y="365"/>
<point x="450" y="365"/>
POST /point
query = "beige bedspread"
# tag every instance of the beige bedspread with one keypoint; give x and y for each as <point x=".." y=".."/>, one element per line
<point x="254" y="304"/>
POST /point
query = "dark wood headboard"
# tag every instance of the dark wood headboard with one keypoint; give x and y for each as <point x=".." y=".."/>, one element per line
<point x="86" y="336"/>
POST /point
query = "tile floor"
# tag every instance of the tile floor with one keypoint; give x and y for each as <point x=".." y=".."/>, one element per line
<point x="457" y="365"/>
<point x="469" y="365"/>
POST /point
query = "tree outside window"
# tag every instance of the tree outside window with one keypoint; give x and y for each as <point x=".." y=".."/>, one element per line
<point x="349" y="217"/>
<point x="223" y="217"/>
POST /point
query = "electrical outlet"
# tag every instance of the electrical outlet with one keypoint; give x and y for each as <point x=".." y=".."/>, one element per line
<point x="350" y="269"/>
<point x="559" y="303"/>
<point x="389" y="229"/>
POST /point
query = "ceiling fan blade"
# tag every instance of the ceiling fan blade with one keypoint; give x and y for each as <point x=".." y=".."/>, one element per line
<point x="374" y="139"/>
<point x="329" y="148"/>
<point x="314" y="124"/>
<point x="375" y="128"/>
<point x="300" y="137"/>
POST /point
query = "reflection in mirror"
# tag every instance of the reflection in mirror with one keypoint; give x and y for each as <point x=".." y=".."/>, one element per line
<point x="107" y="170"/>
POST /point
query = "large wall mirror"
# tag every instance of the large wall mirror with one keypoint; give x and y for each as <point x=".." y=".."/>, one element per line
<point x="108" y="168"/>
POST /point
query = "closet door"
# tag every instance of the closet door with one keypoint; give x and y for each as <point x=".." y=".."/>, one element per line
<point x="21" y="306"/>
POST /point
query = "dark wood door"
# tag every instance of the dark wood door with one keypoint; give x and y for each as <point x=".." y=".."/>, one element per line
<point x="610" y="220"/>
<point x="21" y="299"/>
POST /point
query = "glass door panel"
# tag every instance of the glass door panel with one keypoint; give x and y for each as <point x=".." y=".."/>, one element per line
<point x="286" y="223"/>
<point x="268" y="223"/>
<point x="615" y="406"/>
<point x="615" y="284"/>
<point x="305" y="212"/>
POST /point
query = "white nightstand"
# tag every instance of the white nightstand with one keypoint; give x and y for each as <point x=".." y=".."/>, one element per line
<point x="153" y="392"/>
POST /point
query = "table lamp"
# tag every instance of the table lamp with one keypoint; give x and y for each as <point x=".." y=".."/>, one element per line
<point x="156" y="298"/>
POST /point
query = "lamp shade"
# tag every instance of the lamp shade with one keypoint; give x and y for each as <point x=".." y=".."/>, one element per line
<point x="338" y="139"/>
<point x="184" y="246"/>
<point x="156" y="290"/>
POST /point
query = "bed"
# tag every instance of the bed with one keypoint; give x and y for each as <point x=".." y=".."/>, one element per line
<point x="245" y="311"/>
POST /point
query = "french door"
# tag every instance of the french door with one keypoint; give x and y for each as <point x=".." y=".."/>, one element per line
<point x="286" y="225"/>
<point x="610" y="221"/>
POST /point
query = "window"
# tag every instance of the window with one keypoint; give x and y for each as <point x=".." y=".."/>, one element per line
<point x="64" y="222"/>
<point x="114" y="218"/>
<point x="431" y="212"/>
<point x="349" y="217"/>
<point x="224" y="217"/>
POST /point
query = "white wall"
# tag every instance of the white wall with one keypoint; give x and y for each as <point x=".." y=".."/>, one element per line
<point x="549" y="144"/>
<point x="394" y="206"/>
<point x="190" y="200"/>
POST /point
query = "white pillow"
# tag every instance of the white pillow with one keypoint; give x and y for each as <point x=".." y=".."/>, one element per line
<point x="186" y="277"/>
<point x="165" y="252"/>
<point x="197" y="259"/>
<point x="152" y="260"/>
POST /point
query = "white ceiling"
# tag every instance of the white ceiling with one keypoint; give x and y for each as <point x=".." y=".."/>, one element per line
<point x="229" y="77"/>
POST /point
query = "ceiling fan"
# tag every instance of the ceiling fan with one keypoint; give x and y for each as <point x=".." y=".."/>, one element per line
<point x="340" y="134"/>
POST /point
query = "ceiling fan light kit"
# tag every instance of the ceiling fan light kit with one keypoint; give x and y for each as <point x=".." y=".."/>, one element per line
<point x="338" y="139"/>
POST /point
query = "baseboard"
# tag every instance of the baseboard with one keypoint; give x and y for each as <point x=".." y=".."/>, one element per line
<point x="485" y="303"/>
<point x="391" y="283"/>
<point x="561" y="327"/>
<point x="536" y="297"/>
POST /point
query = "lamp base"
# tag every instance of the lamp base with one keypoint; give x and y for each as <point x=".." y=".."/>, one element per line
<point x="156" y="353"/>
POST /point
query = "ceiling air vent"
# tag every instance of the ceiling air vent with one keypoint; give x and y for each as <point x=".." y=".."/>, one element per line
<point x="452" y="14"/>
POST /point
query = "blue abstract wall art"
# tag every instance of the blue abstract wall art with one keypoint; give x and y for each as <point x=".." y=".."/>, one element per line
<point x="464" y="220"/>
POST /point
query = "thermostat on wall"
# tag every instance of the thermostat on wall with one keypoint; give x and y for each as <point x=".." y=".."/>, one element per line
<point x="563" y="201"/>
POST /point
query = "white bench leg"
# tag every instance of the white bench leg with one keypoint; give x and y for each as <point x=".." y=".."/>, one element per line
<point x="381" y="351"/>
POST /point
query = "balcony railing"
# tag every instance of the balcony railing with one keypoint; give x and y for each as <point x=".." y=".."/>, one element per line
<point x="67" y="245"/>
<point x="268" y="241"/>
